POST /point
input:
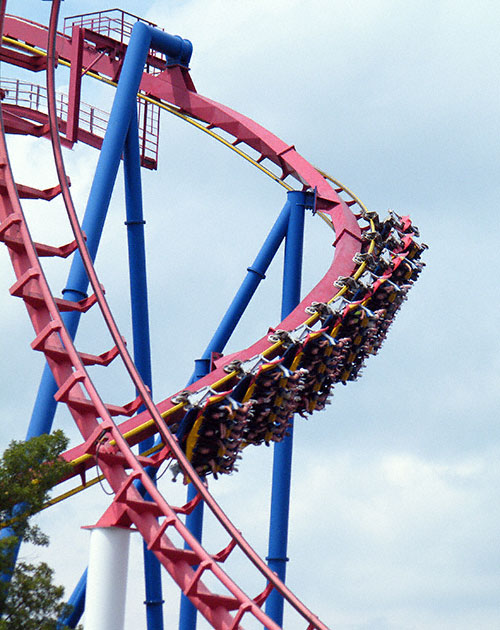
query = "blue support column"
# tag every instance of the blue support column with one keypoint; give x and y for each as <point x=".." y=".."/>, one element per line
<point x="194" y="522"/>
<point x="255" y="273"/>
<point x="77" y="603"/>
<point x="141" y="337"/>
<point x="282" y="463"/>
<point x="137" y="253"/>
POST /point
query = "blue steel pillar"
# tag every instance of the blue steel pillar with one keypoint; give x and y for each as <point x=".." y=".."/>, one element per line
<point x="141" y="338"/>
<point x="282" y="464"/>
<point x="255" y="273"/>
<point x="76" y="603"/>
<point x="194" y="522"/>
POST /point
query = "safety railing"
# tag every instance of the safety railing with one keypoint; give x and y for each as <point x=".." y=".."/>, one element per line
<point x="149" y="132"/>
<point x="91" y="119"/>
<point x="29" y="95"/>
<point x="115" y="24"/>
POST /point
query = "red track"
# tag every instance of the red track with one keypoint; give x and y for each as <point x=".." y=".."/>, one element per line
<point x="155" y="518"/>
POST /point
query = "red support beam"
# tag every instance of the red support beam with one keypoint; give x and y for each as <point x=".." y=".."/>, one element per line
<point x="75" y="83"/>
<point x="35" y="63"/>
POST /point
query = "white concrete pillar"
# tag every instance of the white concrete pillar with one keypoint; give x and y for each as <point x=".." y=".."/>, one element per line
<point x="107" y="578"/>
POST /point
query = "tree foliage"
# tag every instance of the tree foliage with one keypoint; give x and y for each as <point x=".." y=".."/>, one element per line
<point x="33" y="601"/>
<point x="28" y="470"/>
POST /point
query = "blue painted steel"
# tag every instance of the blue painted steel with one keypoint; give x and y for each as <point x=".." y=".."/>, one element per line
<point x="177" y="49"/>
<point x="282" y="463"/>
<point x="292" y="273"/>
<point x="7" y="532"/>
<point x="194" y="522"/>
<point x="141" y="337"/>
<point x="97" y="207"/>
<point x="45" y="405"/>
<point x="255" y="274"/>
<point x="201" y="367"/>
<point x="137" y="253"/>
<point x="77" y="603"/>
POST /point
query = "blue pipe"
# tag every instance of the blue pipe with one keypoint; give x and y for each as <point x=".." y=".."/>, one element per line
<point x="141" y="337"/>
<point x="97" y="207"/>
<point x="137" y="253"/>
<point x="282" y="463"/>
<point x="77" y="604"/>
<point x="96" y="211"/>
<point x="292" y="273"/>
<point x="255" y="273"/>
<point x="194" y="522"/>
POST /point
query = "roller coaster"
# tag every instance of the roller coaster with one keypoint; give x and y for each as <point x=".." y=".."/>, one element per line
<point x="246" y="398"/>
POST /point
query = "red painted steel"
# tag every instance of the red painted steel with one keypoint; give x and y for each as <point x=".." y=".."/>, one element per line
<point x="26" y="102"/>
<point x="75" y="85"/>
<point x="103" y="439"/>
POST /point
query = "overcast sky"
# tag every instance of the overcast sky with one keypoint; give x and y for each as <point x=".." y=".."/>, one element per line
<point x="395" y="517"/>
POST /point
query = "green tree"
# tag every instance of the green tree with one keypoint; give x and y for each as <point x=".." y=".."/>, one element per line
<point x="28" y="470"/>
<point x="33" y="602"/>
